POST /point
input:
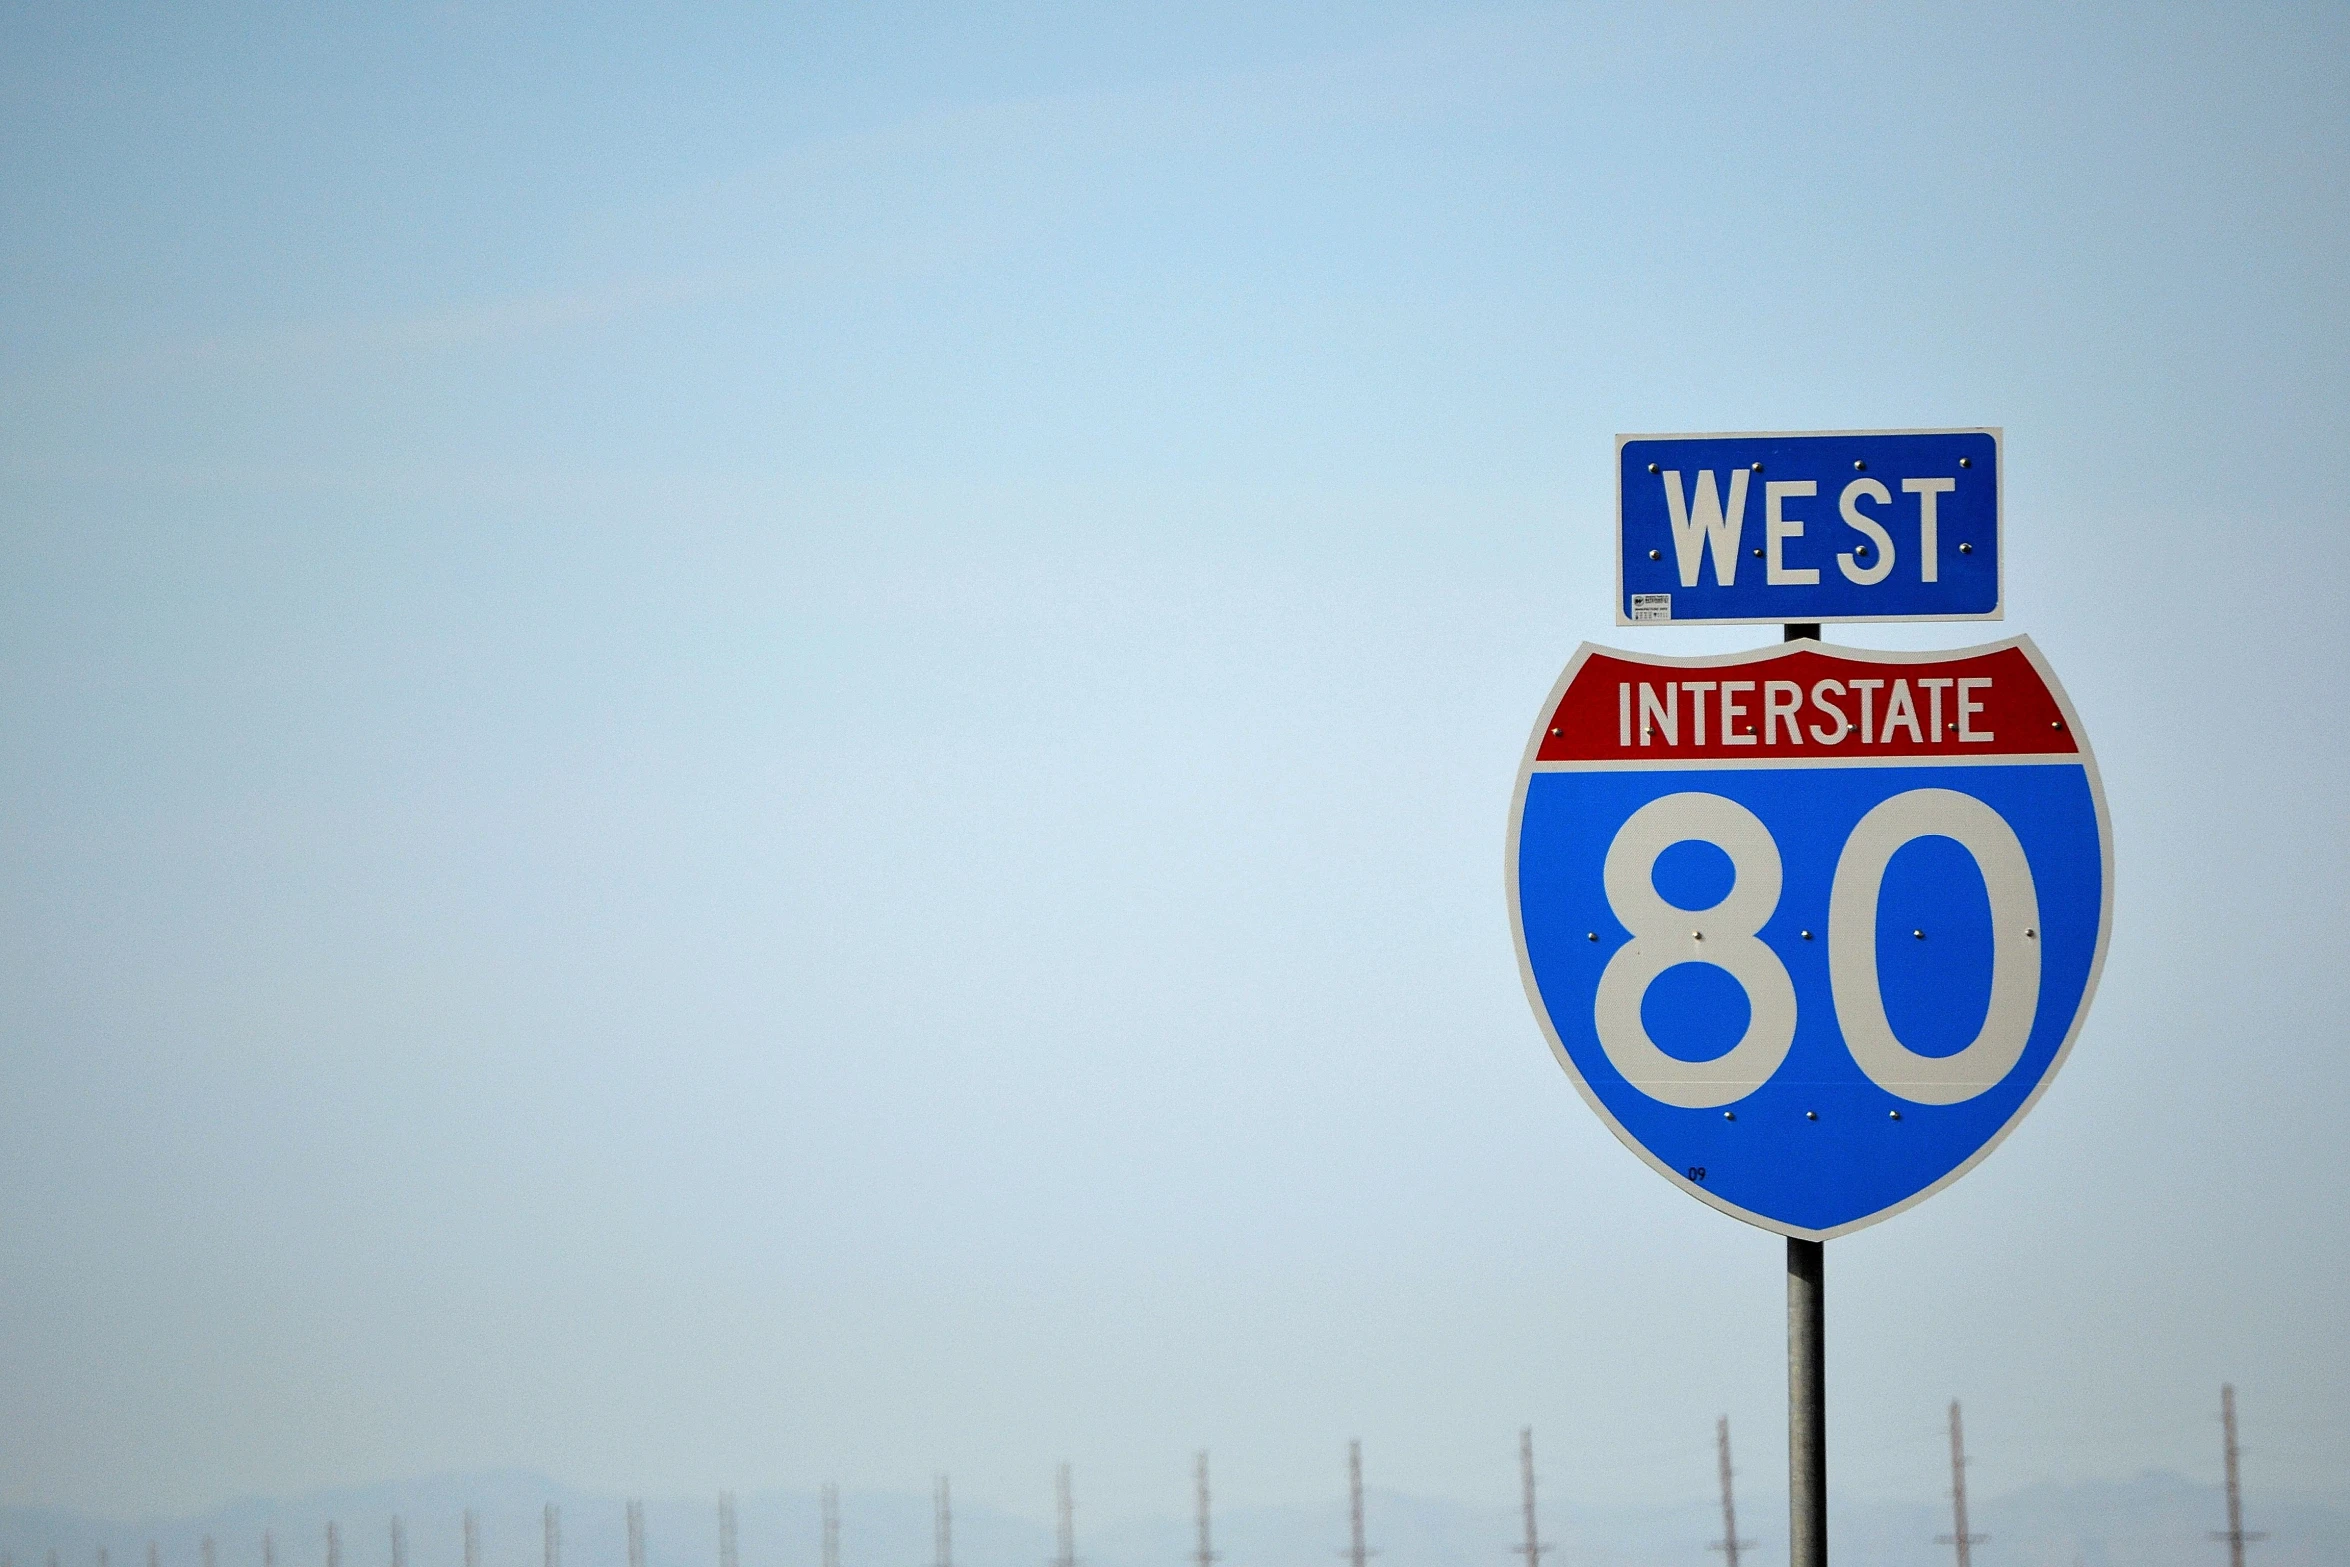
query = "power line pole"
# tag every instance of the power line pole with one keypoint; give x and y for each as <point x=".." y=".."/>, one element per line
<point x="553" y="1546"/>
<point x="2235" y="1536"/>
<point x="334" y="1546"/>
<point x="728" y="1554"/>
<point x="472" y="1539"/>
<point x="154" y="1556"/>
<point x="208" y="1556"/>
<point x="942" y="1522"/>
<point x="1958" y="1536"/>
<point x="1356" y="1553"/>
<point x="399" y="1543"/>
<point x="636" y="1534"/>
<point x="1067" y="1506"/>
<point x="1533" y="1548"/>
<point x="831" y="1509"/>
<point x="1729" y="1544"/>
<point x="268" y="1550"/>
<point x="1203" y="1554"/>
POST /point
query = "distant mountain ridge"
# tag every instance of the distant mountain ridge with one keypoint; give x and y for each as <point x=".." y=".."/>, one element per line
<point x="2157" y="1519"/>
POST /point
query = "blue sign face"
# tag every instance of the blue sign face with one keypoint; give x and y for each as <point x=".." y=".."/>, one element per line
<point x="1882" y="525"/>
<point x="1810" y="928"/>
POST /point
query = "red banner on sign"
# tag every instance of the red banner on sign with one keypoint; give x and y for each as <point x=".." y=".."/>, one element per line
<point x="1800" y="703"/>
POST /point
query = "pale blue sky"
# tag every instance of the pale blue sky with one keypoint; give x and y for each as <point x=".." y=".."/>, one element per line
<point x="772" y="745"/>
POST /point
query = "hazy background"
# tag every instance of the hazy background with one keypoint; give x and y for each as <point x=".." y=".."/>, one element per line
<point x="741" y="747"/>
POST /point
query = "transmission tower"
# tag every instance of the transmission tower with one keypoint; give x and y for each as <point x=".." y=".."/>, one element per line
<point x="1356" y="1552"/>
<point x="1958" y="1538"/>
<point x="1066" y="1504"/>
<point x="1729" y="1544"/>
<point x="472" y="1539"/>
<point x="942" y="1522"/>
<point x="399" y="1544"/>
<point x="636" y="1534"/>
<point x="2235" y="1536"/>
<point x="1204" y="1553"/>
<point x="1533" y="1549"/>
<point x="727" y="1552"/>
<point x="831" y="1507"/>
<point x="554" y="1536"/>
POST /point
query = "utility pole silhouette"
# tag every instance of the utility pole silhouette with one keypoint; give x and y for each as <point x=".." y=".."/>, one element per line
<point x="1066" y="1504"/>
<point x="1203" y="1554"/>
<point x="2234" y="1534"/>
<point x="268" y="1551"/>
<point x="942" y="1522"/>
<point x="207" y="1553"/>
<point x="154" y="1556"/>
<point x="636" y="1534"/>
<point x="1533" y="1549"/>
<point x="831" y="1513"/>
<point x="472" y="1539"/>
<point x="334" y="1546"/>
<point x="1729" y="1544"/>
<point x="727" y="1551"/>
<point x="554" y="1536"/>
<point x="1958" y="1537"/>
<point x="399" y="1544"/>
<point x="1356" y="1553"/>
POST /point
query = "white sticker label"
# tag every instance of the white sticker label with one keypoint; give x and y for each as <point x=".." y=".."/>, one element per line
<point x="1651" y="607"/>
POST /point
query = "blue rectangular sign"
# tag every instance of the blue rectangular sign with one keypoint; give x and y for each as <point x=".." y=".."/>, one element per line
<point x="1848" y="525"/>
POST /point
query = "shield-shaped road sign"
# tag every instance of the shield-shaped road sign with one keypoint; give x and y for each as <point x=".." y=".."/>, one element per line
<point x="1810" y="927"/>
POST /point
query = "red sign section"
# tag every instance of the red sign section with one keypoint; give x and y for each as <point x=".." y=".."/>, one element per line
<point x="1805" y="704"/>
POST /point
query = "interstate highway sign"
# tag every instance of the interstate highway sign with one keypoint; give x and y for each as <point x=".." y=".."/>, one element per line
<point x="1810" y="927"/>
<point x="1855" y="525"/>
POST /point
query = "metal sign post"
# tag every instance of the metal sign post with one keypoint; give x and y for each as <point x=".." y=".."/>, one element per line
<point x="1807" y="1402"/>
<point x="1807" y="1367"/>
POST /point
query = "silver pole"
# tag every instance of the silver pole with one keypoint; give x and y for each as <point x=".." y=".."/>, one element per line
<point x="1807" y="1369"/>
<point x="1807" y="1405"/>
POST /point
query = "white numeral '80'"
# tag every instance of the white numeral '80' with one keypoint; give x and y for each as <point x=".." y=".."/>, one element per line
<point x="1727" y="937"/>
